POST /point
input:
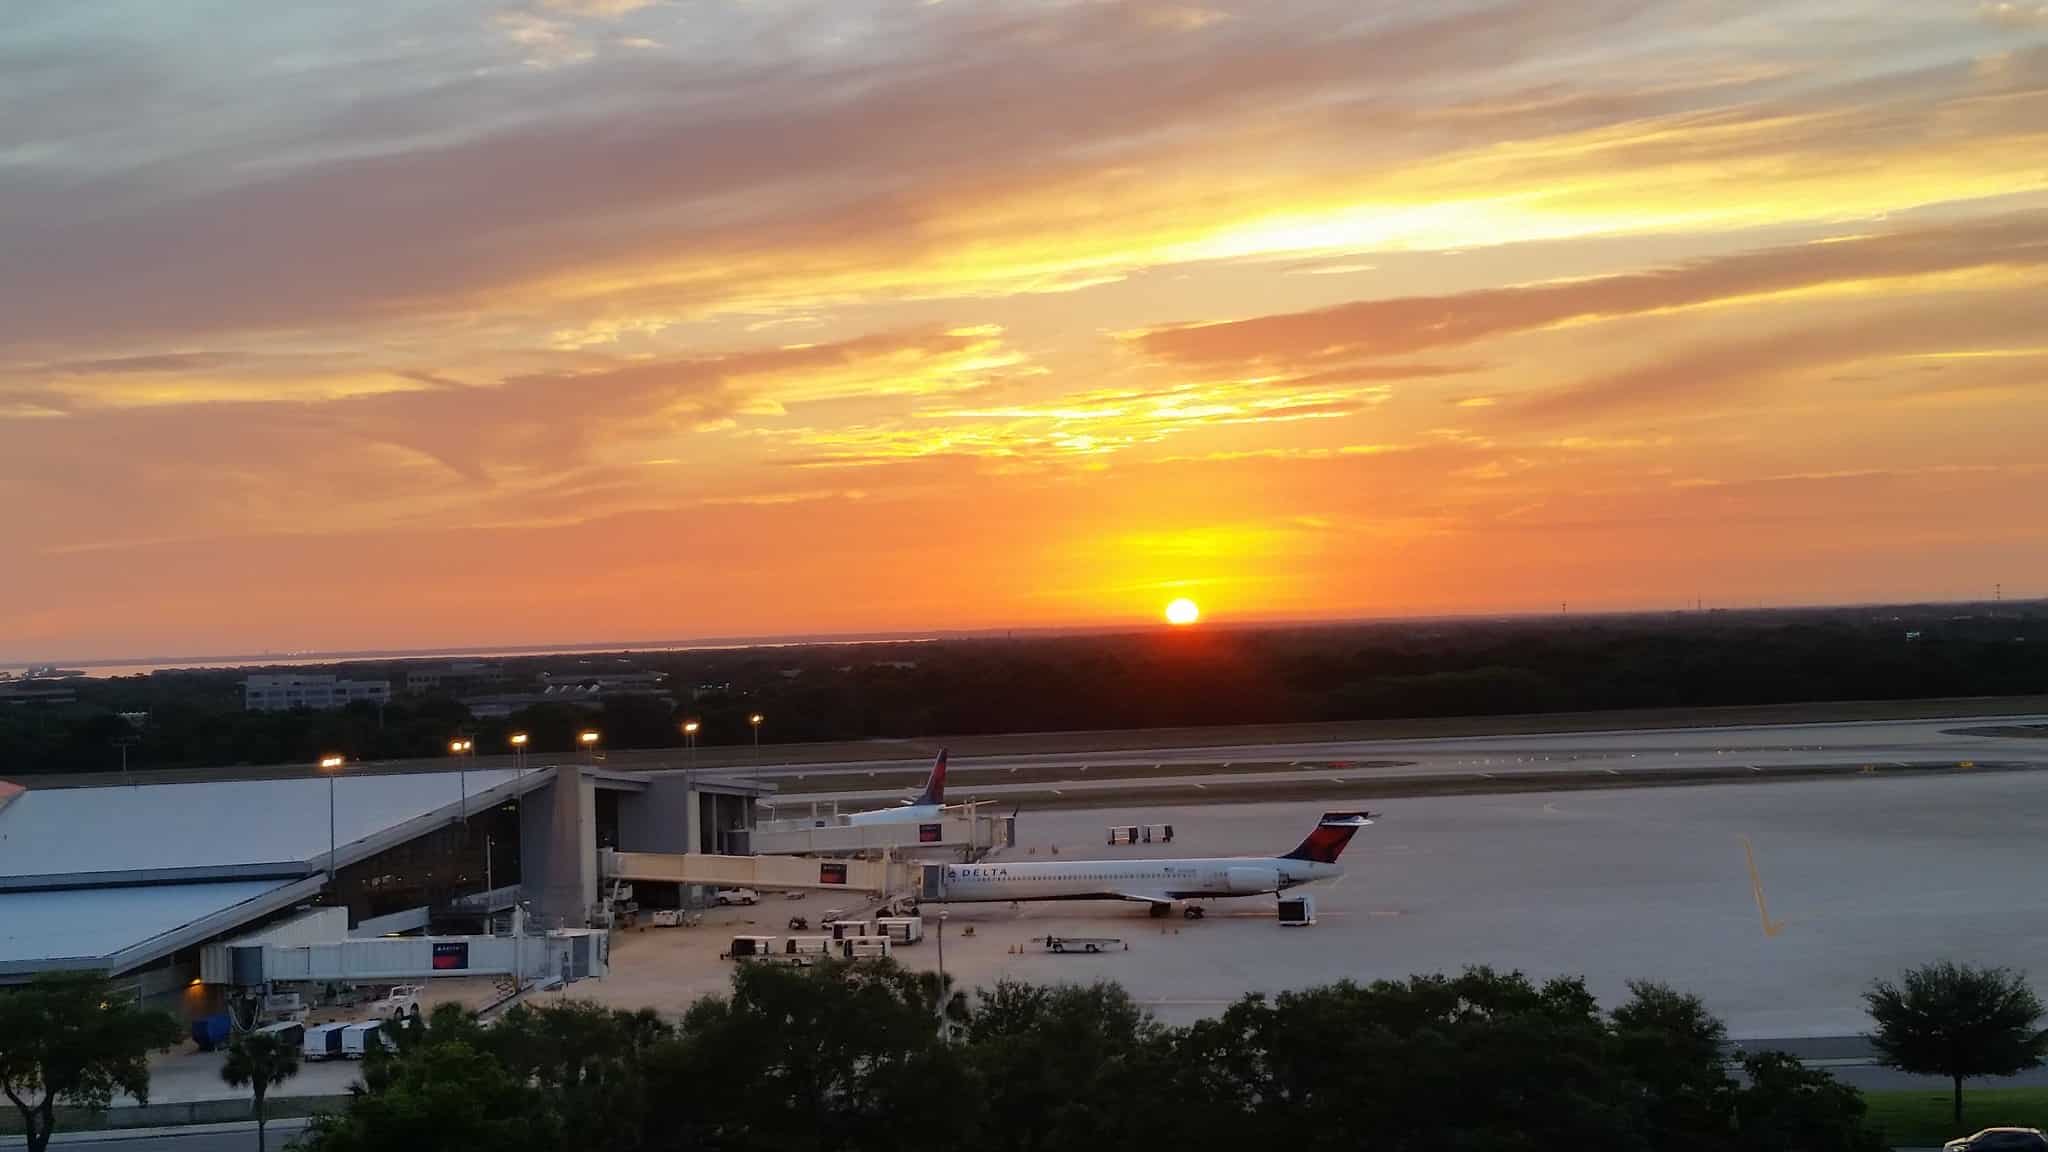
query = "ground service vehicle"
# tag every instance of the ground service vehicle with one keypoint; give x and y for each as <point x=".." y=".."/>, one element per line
<point x="745" y="896"/>
<point x="901" y="929"/>
<point x="403" y="1000"/>
<point x="749" y="947"/>
<point x="1081" y="943"/>
<point x="864" y="947"/>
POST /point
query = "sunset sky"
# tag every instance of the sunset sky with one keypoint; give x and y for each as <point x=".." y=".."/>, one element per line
<point x="414" y="324"/>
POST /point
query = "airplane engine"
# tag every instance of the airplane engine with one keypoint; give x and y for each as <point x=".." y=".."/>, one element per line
<point x="1249" y="881"/>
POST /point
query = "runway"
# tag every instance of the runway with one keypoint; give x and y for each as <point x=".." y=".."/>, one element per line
<point x="1760" y="749"/>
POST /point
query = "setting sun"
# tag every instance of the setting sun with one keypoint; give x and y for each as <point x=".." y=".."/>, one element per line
<point x="1183" y="611"/>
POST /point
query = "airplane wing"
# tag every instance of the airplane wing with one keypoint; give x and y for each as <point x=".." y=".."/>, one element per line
<point x="1145" y="897"/>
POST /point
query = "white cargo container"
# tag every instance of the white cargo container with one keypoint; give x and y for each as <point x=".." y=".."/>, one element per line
<point x="845" y="929"/>
<point x="807" y="946"/>
<point x="1298" y="911"/>
<point x="287" y="1031"/>
<point x="323" y="1042"/>
<point x="1141" y="834"/>
<point x="901" y="929"/>
<point x="357" y="1039"/>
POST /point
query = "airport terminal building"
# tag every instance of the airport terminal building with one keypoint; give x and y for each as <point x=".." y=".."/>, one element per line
<point x="137" y="881"/>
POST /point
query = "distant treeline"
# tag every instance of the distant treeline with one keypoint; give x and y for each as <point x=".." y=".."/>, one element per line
<point x="1204" y="676"/>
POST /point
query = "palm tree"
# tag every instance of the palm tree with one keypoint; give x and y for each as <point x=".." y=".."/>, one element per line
<point x="261" y="1060"/>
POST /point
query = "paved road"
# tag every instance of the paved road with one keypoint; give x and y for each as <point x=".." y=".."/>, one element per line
<point x="1761" y="748"/>
<point x="190" y="1138"/>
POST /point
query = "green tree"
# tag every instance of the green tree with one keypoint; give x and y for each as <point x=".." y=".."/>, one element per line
<point x="589" y="1060"/>
<point x="440" y="1095"/>
<point x="840" y="1056"/>
<point x="1067" y="1066"/>
<point x="1669" y="1046"/>
<point x="259" y="1061"/>
<point x="1478" y="1060"/>
<point x="1784" y="1106"/>
<point x="66" y="1037"/>
<point x="1953" y="1020"/>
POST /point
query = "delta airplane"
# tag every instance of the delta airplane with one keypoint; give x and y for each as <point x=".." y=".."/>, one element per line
<point x="927" y="807"/>
<point x="1155" y="882"/>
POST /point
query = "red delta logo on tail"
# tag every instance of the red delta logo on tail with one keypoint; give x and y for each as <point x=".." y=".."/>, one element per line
<point x="935" y="786"/>
<point x="1331" y="834"/>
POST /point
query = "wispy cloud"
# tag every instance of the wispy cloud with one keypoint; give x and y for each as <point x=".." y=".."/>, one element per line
<point x="1368" y="330"/>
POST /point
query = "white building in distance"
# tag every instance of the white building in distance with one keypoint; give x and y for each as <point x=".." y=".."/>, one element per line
<point x="286" y="691"/>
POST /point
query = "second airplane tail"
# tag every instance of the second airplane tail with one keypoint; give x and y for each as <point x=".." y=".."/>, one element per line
<point x="934" y="785"/>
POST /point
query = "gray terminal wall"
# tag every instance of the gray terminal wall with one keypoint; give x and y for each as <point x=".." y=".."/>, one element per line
<point x="660" y="819"/>
<point x="558" y="844"/>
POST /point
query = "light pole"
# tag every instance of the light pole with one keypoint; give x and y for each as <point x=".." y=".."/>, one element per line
<point x="330" y="765"/>
<point x="464" y="747"/>
<point x="690" y="739"/>
<point x="588" y="739"/>
<point x="942" y="964"/>
<point x="518" y="741"/>
<point x="754" y="720"/>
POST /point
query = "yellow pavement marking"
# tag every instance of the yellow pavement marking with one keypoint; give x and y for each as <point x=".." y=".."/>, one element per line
<point x="1756" y="887"/>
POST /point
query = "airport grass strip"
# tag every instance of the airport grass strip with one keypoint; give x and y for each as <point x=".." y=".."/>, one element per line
<point x="1919" y="1117"/>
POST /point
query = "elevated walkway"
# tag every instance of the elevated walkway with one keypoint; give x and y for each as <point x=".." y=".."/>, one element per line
<point x="775" y="873"/>
<point x="963" y="833"/>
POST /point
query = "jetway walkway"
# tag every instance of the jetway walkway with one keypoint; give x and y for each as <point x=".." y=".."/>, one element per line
<point x="964" y="833"/>
<point x="879" y="877"/>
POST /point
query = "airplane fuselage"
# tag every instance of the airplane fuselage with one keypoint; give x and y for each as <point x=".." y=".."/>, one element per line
<point x="1148" y="880"/>
<point x="908" y="814"/>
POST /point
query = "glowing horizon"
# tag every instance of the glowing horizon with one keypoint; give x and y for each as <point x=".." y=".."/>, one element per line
<point x="456" y="326"/>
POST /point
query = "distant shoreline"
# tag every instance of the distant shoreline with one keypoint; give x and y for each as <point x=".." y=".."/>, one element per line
<point x="143" y="665"/>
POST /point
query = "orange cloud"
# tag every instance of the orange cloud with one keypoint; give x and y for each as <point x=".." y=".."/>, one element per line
<point x="1369" y="330"/>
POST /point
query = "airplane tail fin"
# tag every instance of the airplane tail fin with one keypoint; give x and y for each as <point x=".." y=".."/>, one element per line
<point x="934" y="786"/>
<point x="1331" y="834"/>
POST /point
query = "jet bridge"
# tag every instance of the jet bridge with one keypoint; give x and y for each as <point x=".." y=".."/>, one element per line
<point x="964" y="833"/>
<point x="878" y="877"/>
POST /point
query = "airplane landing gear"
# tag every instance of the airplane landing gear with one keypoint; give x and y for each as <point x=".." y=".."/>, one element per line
<point x="1193" y="912"/>
<point x="1158" y="911"/>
